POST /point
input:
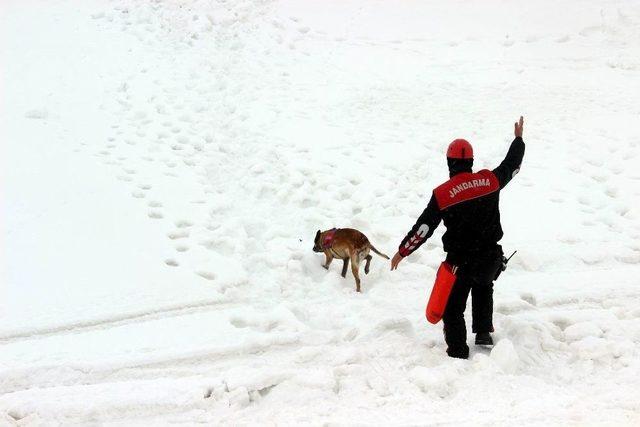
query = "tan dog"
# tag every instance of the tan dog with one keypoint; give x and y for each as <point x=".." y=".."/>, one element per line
<point x="345" y="244"/>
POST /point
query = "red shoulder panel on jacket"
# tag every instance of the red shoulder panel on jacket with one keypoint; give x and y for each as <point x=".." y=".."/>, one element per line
<point x="466" y="186"/>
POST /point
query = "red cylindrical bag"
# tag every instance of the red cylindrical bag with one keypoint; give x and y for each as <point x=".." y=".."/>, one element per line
<point x="445" y="279"/>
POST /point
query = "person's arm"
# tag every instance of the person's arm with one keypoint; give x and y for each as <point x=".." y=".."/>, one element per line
<point x="510" y="166"/>
<point x="419" y="233"/>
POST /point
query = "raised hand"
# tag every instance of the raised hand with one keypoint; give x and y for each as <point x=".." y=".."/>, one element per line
<point x="518" y="127"/>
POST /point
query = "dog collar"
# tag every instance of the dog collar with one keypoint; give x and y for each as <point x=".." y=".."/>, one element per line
<point x="327" y="240"/>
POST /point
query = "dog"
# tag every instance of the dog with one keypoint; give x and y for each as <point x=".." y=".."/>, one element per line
<point x="345" y="244"/>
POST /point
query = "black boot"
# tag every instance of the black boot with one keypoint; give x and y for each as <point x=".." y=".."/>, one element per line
<point x="484" y="338"/>
<point x="458" y="352"/>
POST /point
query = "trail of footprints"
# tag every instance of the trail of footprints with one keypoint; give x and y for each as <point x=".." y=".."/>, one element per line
<point x="602" y="200"/>
<point x="179" y="236"/>
<point x="168" y="130"/>
<point x="125" y="148"/>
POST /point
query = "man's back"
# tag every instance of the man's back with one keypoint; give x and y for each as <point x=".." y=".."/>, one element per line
<point x="468" y="204"/>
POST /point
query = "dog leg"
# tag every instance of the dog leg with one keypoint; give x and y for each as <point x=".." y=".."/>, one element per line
<point x="355" y="265"/>
<point x="345" y="264"/>
<point x="329" y="257"/>
<point x="366" y="266"/>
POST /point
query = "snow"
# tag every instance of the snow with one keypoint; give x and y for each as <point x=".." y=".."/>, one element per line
<point x="165" y="166"/>
<point x="505" y="356"/>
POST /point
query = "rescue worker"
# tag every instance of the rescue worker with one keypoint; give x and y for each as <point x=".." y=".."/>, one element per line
<point x="468" y="205"/>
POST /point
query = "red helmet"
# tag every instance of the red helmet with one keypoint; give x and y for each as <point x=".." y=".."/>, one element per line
<point x="460" y="149"/>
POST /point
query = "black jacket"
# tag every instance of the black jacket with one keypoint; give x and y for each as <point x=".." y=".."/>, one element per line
<point x="468" y="205"/>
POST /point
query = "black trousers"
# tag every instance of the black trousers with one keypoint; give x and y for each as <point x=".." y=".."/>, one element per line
<point x="475" y="274"/>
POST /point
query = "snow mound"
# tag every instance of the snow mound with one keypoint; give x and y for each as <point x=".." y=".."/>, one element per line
<point x="505" y="356"/>
<point x="582" y="330"/>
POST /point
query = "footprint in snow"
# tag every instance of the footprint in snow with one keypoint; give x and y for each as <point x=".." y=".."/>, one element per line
<point x="171" y="262"/>
<point x="238" y="322"/>
<point x="208" y="275"/>
<point x="38" y="114"/>
<point x="178" y="234"/>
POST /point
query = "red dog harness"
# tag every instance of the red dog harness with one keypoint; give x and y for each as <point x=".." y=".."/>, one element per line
<point x="327" y="240"/>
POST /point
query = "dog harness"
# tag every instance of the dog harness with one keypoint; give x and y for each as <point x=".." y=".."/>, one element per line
<point x="327" y="240"/>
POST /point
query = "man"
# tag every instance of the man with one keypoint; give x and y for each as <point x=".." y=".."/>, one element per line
<point x="468" y="205"/>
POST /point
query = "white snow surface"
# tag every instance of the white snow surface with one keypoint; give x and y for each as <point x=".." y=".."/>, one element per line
<point x="165" y="166"/>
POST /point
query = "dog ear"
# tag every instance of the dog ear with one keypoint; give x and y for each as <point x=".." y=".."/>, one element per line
<point x="317" y="236"/>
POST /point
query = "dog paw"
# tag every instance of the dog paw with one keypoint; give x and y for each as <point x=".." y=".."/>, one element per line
<point x="326" y="267"/>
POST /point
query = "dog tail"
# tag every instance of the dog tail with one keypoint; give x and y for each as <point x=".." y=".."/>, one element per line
<point x="378" y="252"/>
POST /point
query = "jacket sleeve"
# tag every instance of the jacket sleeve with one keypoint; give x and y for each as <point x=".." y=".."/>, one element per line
<point x="510" y="166"/>
<point x="422" y="230"/>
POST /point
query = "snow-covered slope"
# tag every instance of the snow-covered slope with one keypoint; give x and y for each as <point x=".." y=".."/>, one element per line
<point x="165" y="166"/>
